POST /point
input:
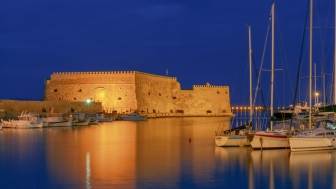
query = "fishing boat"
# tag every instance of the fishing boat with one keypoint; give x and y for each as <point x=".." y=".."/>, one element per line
<point x="132" y="117"/>
<point x="24" y="121"/>
<point x="321" y="138"/>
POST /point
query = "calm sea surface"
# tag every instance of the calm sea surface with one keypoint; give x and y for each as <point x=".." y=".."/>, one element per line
<point x="159" y="153"/>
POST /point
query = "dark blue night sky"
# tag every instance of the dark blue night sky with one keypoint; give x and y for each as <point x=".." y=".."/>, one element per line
<point x="198" y="41"/>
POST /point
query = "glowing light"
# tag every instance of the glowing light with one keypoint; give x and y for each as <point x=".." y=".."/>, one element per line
<point x="317" y="94"/>
<point x="88" y="101"/>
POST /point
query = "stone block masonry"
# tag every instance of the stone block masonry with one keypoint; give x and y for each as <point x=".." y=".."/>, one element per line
<point x="133" y="91"/>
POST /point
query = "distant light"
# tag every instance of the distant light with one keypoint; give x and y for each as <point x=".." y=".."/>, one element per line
<point x="317" y="94"/>
<point x="88" y="101"/>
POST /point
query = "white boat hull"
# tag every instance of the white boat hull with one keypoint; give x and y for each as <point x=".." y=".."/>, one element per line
<point x="312" y="143"/>
<point x="232" y="141"/>
<point x="81" y="123"/>
<point x="269" y="142"/>
<point x="21" y="124"/>
<point x="58" y="124"/>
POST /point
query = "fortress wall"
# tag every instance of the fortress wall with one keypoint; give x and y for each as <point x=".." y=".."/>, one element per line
<point x="154" y="93"/>
<point x="127" y="92"/>
<point x="115" y="92"/>
<point x="204" y="100"/>
<point x="17" y="106"/>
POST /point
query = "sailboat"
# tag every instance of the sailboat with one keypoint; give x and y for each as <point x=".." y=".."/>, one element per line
<point x="323" y="137"/>
<point x="239" y="136"/>
<point x="271" y="139"/>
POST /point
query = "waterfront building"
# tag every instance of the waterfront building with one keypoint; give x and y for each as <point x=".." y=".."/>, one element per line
<point x="133" y="91"/>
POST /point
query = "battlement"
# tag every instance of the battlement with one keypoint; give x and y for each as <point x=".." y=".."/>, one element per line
<point x="61" y="75"/>
<point x="210" y="86"/>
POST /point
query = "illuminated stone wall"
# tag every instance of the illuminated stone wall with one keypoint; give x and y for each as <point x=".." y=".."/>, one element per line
<point x="129" y="91"/>
<point x="18" y="106"/>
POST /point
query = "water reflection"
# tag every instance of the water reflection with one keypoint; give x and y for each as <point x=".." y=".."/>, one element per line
<point x="159" y="153"/>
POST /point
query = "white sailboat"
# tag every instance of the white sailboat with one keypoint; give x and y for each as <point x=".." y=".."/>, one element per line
<point x="323" y="137"/>
<point x="239" y="136"/>
<point x="273" y="138"/>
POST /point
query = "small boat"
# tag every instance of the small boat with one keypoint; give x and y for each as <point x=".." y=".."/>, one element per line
<point x="321" y="138"/>
<point x="24" y="121"/>
<point x="132" y="117"/>
<point x="276" y="139"/>
<point x="233" y="137"/>
<point x="56" y="121"/>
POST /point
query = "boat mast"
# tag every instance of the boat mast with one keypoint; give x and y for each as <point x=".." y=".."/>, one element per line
<point x="272" y="72"/>
<point x="335" y="54"/>
<point x="250" y="65"/>
<point x="315" y="91"/>
<point x="310" y="61"/>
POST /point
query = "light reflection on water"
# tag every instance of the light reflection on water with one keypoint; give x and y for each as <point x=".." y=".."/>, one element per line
<point x="159" y="153"/>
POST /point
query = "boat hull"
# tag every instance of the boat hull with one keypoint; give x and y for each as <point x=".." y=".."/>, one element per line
<point x="232" y="141"/>
<point x="269" y="142"/>
<point x="312" y="143"/>
<point x="59" y="124"/>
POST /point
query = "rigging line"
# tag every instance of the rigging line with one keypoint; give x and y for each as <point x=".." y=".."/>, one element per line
<point x="300" y="57"/>
<point x="261" y="68"/>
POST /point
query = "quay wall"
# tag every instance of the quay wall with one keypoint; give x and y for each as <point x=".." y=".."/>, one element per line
<point x="17" y="106"/>
<point x="133" y="91"/>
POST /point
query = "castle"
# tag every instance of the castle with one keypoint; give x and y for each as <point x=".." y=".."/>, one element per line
<point x="133" y="91"/>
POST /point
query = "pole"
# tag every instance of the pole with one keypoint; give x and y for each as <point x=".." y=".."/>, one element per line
<point x="315" y="92"/>
<point x="250" y="64"/>
<point x="310" y="61"/>
<point x="273" y="60"/>
<point x="335" y="55"/>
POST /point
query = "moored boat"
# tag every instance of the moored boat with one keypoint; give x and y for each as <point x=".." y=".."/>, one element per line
<point x="133" y="117"/>
<point x="270" y="139"/>
<point x="321" y="138"/>
<point x="56" y="121"/>
<point x="24" y="121"/>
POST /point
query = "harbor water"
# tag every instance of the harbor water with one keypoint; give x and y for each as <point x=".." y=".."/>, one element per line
<point x="158" y="153"/>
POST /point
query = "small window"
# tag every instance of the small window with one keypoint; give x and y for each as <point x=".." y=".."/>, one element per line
<point x="148" y="93"/>
<point x="174" y="97"/>
<point x="208" y="111"/>
<point x="75" y="98"/>
<point x="80" y="90"/>
<point x="55" y="90"/>
<point x="159" y="94"/>
<point x="218" y="92"/>
<point x="119" y="98"/>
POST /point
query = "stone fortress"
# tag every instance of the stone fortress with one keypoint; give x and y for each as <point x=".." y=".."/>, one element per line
<point x="133" y="91"/>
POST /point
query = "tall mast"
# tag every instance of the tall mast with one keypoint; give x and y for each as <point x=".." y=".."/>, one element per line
<point x="335" y="54"/>
<point x="250" y="65"/>
<point x="273" y="61"/>
<point x="315" y="78"/>
<point x="310" y="61"/>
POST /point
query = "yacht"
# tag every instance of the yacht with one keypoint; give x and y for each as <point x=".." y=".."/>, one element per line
<point x="321" y="138"/>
